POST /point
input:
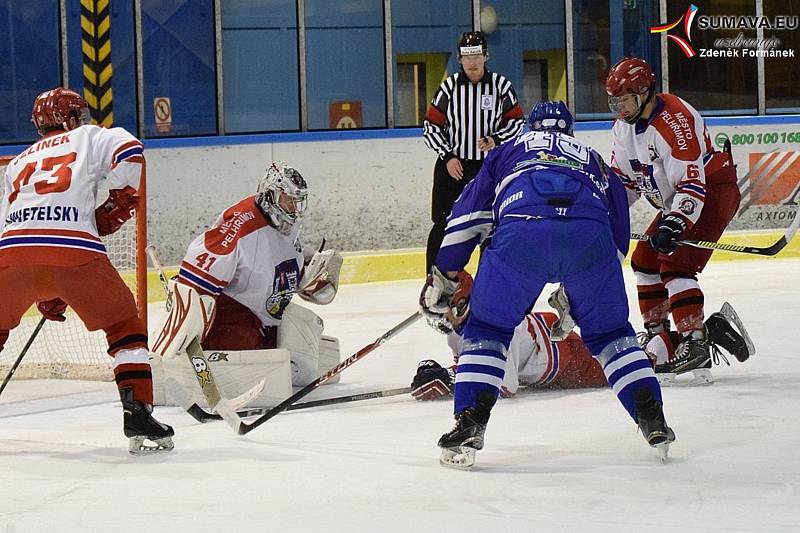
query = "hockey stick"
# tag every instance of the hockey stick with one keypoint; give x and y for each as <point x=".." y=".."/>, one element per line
<point x="200" y="366"/>
<point x="245" y="428"/>
<point x="201" y="415"/>
<point x="768" y="250"/>
<point x="22" y="354"/>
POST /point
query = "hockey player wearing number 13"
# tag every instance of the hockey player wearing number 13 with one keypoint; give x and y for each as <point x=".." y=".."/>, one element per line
<point x="553" y="207"/>
<point x="662" y="151"/>
<point x="51" y="252"/>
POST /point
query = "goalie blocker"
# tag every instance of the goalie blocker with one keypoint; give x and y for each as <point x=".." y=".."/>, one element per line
<point x="302" y="354"/>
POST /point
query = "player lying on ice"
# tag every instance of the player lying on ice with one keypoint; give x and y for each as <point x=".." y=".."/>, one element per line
<point x="557" y="214"/>
<point x="541" y="356"/>
<point x="234" y="291"/>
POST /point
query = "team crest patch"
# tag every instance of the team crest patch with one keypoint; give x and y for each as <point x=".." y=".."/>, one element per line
<point x="285" y="283"/>
<point x="687" y="206"/>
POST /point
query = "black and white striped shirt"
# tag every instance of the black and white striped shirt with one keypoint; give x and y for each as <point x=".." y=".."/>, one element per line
<point x="462" y="112"/>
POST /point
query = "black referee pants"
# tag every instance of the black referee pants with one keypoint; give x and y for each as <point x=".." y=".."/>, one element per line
<point x="446" y="191"/>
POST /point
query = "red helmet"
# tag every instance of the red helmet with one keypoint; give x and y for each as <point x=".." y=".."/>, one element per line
<point x="52" y="110"/>
<point x="630" y="75"/>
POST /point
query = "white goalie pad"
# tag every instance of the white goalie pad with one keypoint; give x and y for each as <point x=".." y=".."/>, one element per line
<point x="321" y="277"/>
<point x="300" y="333"/>
<point x="190" y="315"/>
<point x="235" y="373"/>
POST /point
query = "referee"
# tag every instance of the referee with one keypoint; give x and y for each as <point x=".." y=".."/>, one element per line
<point x="473" y="111"/>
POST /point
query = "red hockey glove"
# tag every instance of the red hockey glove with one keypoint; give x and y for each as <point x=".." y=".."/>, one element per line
<point x="432" y="381"/>
<point x="115" y="211"/>
<point x="53" y="309"/>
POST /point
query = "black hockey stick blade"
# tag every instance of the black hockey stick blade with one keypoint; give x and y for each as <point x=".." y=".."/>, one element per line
<point x="203" y="416"/>
<point x="245" y="428"/>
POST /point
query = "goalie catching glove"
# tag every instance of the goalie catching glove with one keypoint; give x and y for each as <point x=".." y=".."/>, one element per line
<point x="444" y="300"/>
<point x="431" y="381"/>
<point x="320" y="279"/>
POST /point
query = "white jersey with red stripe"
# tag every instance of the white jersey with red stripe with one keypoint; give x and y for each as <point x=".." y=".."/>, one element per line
<point x="245" y="258"/>
<point x="663" y="158"/>
<point x="50" y="194"/>
<point x="532" y="358"/>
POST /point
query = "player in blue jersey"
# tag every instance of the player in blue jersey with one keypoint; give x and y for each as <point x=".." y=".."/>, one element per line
<point x="556" y="213"/>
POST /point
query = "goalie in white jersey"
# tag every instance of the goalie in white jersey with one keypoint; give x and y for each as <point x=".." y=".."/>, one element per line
<point x="247" y="267"/>
<point x="50" y="248"/>
<point x="662" y="151"/>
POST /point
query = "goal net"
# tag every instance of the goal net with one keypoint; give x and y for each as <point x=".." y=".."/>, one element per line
<point x="67" y="349"/>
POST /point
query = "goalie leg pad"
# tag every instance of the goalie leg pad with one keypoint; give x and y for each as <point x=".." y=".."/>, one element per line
<point x="235" y="373"/>
<point x="190" y="317"/>
<point x="300" y="332"/>
<point x="329" y="357"/>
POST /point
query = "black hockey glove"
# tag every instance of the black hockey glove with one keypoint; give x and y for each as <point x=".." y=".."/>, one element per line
<point x="432" y="381"/>
<point x="669" y="231"/>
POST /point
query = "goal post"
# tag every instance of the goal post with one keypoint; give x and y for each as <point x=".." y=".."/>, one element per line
<point x="67" y="349"/>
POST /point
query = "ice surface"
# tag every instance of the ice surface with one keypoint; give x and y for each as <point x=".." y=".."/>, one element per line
<point x="554" y="461"/>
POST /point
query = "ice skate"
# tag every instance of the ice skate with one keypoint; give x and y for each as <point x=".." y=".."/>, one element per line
<point x="692" y="355"/>
<point x="652" y="423"/>
<point x="146" y="434"/>
<point x="562" y="327"/>
<point x="644" y="337"/>
<point x="721" y="332"/>
<point x="460" y="443"/>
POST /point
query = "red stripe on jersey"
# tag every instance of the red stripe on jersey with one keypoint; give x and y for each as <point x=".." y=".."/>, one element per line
<point x="122" y="148"/>
<point x="514" y="112"/>
<point x="238" y="221"/>
<point x="435" y="116"/>
<point x="532" y="327"/>
<point x="675" y="123"/>
<point x="203" y="274"/>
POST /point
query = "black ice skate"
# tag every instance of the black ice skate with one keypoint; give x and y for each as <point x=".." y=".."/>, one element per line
<point x="651" y="421"/>
<point x="721" y="332"/>
<point x="460" y="443"/>
<point x="140" y="426"/>
<point x="691" y="355"/>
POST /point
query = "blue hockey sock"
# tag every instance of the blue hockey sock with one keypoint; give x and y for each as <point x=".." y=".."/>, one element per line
<point x="628" y="370"/>
<point x="481" y="368"/>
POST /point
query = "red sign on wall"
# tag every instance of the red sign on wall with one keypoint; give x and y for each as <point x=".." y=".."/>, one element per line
<point x="345" y="114"/>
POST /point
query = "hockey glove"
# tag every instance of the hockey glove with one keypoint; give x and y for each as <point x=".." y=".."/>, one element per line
<point x="53" y="309"/>
<point x="115" y="211"/>
<point x="432" y="381"/>
<point x="669" y="231"/>
<point x="442" y="294"/>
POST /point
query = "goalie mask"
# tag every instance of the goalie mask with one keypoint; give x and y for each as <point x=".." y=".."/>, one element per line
<point x="55" y="109"/>
<point x="282" y="196"/>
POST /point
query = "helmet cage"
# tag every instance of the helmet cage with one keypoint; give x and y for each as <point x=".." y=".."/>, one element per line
<point x="282" y="196"/>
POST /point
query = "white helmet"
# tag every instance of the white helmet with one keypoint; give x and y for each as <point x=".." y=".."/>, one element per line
<point x="282" y="196"/>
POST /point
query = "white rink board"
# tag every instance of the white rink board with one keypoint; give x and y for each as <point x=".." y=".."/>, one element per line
<point x="364" y="194"/>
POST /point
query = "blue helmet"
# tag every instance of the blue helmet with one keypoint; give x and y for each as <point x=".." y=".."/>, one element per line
<point x="552" y="115"/>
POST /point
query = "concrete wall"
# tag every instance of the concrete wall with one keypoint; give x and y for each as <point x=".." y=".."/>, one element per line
<point x="374" y="194"/>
